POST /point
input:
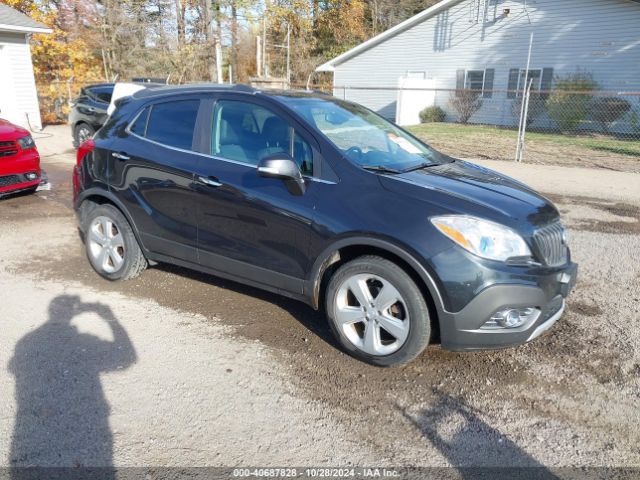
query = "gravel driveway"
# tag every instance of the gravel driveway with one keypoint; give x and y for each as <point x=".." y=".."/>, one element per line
<point x="178" y="368"/>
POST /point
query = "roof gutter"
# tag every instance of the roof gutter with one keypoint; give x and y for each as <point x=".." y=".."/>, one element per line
<point x="18" y="29"/>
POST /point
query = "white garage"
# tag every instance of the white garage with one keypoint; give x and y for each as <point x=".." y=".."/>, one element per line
<point x="18" y="96"/>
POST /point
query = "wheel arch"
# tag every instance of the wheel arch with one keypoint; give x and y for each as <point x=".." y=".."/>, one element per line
<point x="81" y="121"/>
<point x="349" y="248"/>
<point x="99" y="196"/>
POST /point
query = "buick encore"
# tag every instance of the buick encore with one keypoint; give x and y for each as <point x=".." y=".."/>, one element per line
<point x="326" y="202"/>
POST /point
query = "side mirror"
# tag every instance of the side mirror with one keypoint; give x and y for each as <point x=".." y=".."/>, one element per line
<point x="283" y="167"/>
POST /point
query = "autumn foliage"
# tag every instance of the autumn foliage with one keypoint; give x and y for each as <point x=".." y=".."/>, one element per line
<point x="62" y="60"/>
<point x="104" y="40"/>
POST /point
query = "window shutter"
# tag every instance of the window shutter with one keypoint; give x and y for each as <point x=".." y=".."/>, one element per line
<point x="489" y="73"/>
<point x="459" y="81"/>
<point x="514" y="73"/>
<point x="547" y="81"/>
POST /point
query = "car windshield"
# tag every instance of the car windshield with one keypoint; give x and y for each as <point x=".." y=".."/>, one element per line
<point x="364" y="137"/>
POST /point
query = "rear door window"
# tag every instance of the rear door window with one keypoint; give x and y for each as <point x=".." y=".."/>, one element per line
<point x="101" y="94"/>
<point x="173" y="123"/>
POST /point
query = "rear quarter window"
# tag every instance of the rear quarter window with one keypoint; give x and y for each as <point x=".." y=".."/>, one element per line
<point x="101" y="94"/>
<point x="139" y="125"/>
<point x="173" y="123"/>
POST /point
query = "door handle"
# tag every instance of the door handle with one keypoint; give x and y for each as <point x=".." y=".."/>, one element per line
<point x="120" y="156"/>
<point x="211" y="181"/>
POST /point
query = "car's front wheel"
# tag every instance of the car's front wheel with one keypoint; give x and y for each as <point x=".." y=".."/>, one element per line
<point x="112" y="248"/>
<point x="377" y="312"/>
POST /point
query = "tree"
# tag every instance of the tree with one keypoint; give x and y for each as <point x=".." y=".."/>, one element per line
<point x="568" y="105"/>
<point x="60" y="59"/>
<point x="466" y="103"/>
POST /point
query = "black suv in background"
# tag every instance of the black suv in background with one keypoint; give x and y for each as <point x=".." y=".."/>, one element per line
<point x="89" y="111"/>
<point x="326" y="202"/>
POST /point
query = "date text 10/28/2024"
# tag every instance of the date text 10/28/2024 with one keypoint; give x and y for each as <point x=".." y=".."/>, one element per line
<point x="316" y="472"/>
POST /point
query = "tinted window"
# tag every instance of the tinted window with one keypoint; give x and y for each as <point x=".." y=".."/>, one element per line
<point x="139" y="126"/>
<point x="101" y="94"/>
<point x="475" y="80"/>
<point x="173" y="123"/>
<point x="246" y="132"/>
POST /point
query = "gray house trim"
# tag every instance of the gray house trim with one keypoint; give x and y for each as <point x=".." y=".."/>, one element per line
<point x="401" y="27"/>
<point x="387" y="34"/>
<point x="11" y="20"/>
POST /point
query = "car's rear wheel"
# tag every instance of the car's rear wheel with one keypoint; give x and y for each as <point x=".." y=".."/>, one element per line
<point x="377" y="312"/>
<point x="112" y="248"/>
<point x="82" y="133"/>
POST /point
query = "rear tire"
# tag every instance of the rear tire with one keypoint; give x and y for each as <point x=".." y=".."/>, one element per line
<point x="81" y="133"/>
<point x="111" y="246"/>
<point x="377" y="312"/>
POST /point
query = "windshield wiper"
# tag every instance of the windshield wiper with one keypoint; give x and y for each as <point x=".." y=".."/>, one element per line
<point x="381" y="169"/>
<point x="420" y="167"/>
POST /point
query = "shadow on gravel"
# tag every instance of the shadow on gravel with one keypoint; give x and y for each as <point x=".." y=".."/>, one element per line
<point x="63" y="415"/>
<point x="473" y="447"/>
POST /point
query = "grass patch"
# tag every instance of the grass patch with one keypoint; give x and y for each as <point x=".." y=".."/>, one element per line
<point x="482" y="135"/>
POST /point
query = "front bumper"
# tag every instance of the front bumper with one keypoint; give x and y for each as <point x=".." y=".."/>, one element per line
<point x="10" y="184"/>
<point x="14" y="172"/>
<point x="464" y="330"/>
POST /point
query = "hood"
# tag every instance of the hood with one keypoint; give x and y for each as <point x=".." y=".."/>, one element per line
<point x="459" y="186"/>
<point x="9" y="131"/>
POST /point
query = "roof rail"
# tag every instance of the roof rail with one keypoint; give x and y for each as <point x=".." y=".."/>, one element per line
<point x="319" y="92"/>
<point x="244" y="88"/>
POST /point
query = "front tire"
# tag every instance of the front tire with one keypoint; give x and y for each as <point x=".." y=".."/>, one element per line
<point x="377" y="312"/>
<point x="111" y="246"/>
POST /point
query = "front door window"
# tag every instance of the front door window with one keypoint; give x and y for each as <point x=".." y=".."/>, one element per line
<point x="247" y="133"/>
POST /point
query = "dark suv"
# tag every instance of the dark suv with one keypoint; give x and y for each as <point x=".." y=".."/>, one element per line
<point x="89" y="111"/>
<point x="326" y="202"/>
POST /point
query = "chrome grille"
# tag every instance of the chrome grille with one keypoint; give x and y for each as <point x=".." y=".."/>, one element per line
<point x="8" y="149"/>
<point x="9" y="180"/>
<point x="550" y="244"/>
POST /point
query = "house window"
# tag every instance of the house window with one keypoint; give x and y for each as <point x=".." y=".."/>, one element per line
<point x="535" y="77"/>
<point x="477" y="80"/>
<point x="474" y="80"/>
<point x="542" y="80"/>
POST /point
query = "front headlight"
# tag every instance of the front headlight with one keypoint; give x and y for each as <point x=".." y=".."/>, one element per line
<point x="482" y="237"/>
<point x="26" y="143"/>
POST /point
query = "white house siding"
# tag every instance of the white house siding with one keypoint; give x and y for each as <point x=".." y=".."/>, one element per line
<point x="599" y="36"/>
<point x="17" y="81"/>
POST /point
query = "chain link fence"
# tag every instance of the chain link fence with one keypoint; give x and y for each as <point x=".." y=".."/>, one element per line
<point x="563" y="126"/>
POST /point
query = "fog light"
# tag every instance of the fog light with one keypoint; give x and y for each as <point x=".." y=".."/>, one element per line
<point x="31" y="176"/>
<point x="511" y="318"/>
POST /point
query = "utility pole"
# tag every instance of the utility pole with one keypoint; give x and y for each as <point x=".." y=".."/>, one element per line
<point x="258" y="56"/>
<point x="524" y="107"/>
<point x="219" y="61"/>
<point x="288" y="55"/>
<point x="264" y="40"/>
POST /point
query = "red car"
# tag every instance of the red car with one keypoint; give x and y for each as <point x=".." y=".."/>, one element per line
<point x="19" y="160"/>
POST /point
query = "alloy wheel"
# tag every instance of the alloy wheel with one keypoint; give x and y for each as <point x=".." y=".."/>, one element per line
<point x="106" y="244"/>
<point x="372" y="314"/>
<point x="84" y="134"/>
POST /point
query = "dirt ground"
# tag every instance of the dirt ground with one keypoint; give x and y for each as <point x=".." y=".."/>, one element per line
<point x="189" y="369"/>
